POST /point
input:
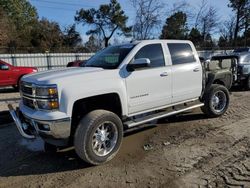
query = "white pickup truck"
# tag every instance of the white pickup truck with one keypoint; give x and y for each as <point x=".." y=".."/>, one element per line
<point x="120" y="87"/>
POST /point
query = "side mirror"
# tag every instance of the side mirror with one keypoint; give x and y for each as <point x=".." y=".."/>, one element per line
<point x="138" y="63"/>
<point x="4" y="67"/>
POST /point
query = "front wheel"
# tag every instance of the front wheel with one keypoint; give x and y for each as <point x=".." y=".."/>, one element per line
<point x="98" y="137"/>
<point x="216" y="101"/>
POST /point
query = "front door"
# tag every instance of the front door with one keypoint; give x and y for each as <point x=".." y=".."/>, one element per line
<point x="5" y="78"/>
<point x="150" y="87"/>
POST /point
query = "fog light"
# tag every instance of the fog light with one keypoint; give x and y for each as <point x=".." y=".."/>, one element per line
<point x="43" y="127"/>
<point x="46" y="127"/>
<point x="53" y="104"/>
<point x="25" y="126"/>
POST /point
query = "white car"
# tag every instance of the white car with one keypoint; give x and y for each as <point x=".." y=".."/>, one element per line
<point x="120" y="87"/>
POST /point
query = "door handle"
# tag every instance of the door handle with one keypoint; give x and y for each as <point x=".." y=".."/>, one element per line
<point x="164" y="74"/>
<point x="196" y="70"/>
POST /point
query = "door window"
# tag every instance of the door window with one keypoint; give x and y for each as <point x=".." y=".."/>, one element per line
<point x="181" y="53"/>
<point x="4" y="66"/>
<point x="154" y="53"/>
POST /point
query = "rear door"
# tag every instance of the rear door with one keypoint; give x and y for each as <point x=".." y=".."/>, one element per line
<point x="186" y="72"/>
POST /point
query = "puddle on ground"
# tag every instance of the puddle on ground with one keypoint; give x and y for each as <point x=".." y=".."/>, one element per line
<point x="33" y="145"/>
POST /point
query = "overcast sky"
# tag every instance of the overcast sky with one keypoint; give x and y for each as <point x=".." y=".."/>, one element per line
<point x="63" y="12"/>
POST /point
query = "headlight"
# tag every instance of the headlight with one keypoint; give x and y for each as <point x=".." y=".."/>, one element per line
<point x="47" y="97"/>
<point x="40" y="97"/>
<point x="47" y="104"/>
<point x="46" y="91"/>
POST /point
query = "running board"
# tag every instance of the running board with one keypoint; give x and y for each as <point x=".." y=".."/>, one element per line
<point x="152" y="117"/>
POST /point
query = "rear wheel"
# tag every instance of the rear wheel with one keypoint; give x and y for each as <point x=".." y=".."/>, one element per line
<point x="216" y="101"/>
<point x="98" y="137"/>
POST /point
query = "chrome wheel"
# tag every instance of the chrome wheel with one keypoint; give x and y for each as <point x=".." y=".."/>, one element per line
<point x="105" y="138"/>
<point x="219" y="101"/>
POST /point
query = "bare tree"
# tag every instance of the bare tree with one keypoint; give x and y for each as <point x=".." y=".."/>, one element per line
<point x="179" y="6"/>
<point x="246" y="22"/>
<point x="202" y="7"/>
<point x="182" y="6"/>
<point x="227" y="30"/>
<point x="147" y="19"/>
<point x="207" y="19"/>
<point x="241" y="9"/>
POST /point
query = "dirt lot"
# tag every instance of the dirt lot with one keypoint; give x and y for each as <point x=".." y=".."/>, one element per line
<point x="8" y="95"/>
<point x="187" y="151"/>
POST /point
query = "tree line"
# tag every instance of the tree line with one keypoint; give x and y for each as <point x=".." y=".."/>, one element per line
<point x="21" y="29"/>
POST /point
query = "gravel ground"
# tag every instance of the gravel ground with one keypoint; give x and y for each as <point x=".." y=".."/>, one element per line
<point x="186" y="151"/>
<point x="8" y="95"/>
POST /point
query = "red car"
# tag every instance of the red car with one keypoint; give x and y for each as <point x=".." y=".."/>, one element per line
<point x="10" y="75"/>
<point x="77" y="63"/>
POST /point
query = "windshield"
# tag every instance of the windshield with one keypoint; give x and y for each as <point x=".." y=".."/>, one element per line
<point x="245" y="59"/>
<point x="110" y="57"/>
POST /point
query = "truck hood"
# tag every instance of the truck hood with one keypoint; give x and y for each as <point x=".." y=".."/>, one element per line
<point x="58" y="75"/>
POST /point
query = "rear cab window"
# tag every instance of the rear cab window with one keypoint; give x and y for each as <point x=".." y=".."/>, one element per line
<point x="181" y="53"/>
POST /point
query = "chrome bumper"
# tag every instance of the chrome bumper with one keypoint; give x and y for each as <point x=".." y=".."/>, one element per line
<point x="30" y="128"/>
<point x="18" y="123"/>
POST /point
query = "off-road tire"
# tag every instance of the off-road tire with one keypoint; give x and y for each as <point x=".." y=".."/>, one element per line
<point x="84" y="136"/>
<point x="208" y="108"/>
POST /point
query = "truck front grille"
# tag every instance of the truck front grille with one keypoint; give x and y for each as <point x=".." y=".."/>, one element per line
<point x="27" y="92"/>
<point x="26" y="88"/>
<point x="28" y="102"/>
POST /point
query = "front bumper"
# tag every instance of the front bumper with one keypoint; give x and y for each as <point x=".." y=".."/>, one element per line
<point x="30" y="128"/>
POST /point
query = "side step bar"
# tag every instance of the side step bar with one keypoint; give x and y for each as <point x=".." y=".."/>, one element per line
<point x="139" y="121"/>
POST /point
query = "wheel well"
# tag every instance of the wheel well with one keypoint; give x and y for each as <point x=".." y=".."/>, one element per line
<point x="110" y="102"/>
